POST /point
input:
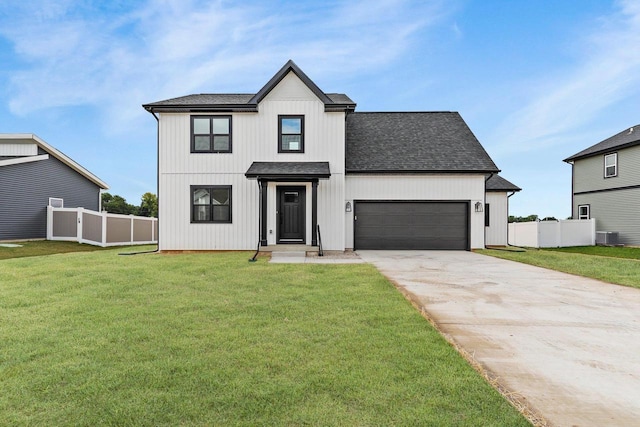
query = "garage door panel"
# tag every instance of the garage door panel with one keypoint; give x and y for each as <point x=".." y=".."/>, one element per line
<point x="412" y="225"/>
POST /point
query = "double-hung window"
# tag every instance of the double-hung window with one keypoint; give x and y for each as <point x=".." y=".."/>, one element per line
<point x="290" y="134"/>
<point x="211" y="203"/>
<point x="611" y="165"/>
<point x="583" y="212"/>
<point x="211" y="134"/>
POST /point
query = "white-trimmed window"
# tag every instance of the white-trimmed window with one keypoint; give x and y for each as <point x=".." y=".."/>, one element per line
<point x="584" y="212"/>
<point x="610" y="165"/>
<point x="56" y="202"/>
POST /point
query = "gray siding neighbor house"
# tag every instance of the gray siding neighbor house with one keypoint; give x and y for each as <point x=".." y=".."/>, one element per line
<point x="31" y="174"/>
<point x="606" y="185"/>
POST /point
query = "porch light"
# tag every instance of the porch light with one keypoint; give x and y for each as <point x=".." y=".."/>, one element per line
<point x="347" y="207"/>
<point x="478" y="206"/>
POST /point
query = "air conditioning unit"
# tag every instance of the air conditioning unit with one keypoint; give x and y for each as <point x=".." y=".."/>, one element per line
<point x="607" y="238"/>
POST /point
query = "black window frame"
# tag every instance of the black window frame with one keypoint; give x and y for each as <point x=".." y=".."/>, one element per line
<point x="615" y="165"/>
<point x="280" y="134"/>
<point x="193" y="188"/>
<point x="211" y="133"/>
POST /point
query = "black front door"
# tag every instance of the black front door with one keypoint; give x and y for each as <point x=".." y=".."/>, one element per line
<point x="291" y="214"/>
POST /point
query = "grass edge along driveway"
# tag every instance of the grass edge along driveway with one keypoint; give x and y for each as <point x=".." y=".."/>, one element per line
<point x="211" y="339"/>
<point x="619" y="266"/>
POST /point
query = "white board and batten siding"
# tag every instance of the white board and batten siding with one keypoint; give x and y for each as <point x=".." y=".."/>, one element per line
<point x="254" y="138"/>
<point x="496" y="232"/>
<point x="436" y="187"/>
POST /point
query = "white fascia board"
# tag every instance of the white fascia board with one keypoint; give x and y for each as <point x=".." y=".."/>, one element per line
<point x="21" y="137"/>
<point x="27" y="159"/>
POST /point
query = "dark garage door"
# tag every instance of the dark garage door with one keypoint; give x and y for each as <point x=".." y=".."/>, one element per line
<point x="412" y="225"/>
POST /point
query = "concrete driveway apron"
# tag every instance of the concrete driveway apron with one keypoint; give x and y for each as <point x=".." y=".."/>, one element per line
<point x="569" y="345"/>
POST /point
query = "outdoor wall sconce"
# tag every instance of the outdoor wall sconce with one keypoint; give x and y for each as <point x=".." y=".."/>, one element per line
<point x="347" y="207"/>
<point x="478" y="207"/>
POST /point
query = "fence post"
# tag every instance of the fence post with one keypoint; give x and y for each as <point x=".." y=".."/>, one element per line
<point x="49" y="222"/>
<point x="103" y="224"/>
<point x="131" y="222"/>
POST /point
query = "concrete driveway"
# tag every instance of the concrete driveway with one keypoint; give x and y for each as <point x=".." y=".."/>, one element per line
<point x="569" y="345"/>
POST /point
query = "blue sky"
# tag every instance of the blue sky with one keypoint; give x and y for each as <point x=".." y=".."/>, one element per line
<point x="535" y="81"/>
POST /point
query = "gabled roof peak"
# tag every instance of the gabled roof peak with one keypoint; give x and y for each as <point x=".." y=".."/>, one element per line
<point x="290" y="66"/>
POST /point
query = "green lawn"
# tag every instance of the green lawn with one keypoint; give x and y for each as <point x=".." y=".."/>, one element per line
<point x="93" y="339"/>
<point x="44" y="247"/>
<point x="614" y="265"/>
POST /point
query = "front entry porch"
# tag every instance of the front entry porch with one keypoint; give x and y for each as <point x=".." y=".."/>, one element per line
<point x="288" y="207"/>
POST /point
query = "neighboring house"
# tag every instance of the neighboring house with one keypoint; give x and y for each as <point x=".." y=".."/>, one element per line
<point x="606" y="185"/>
<point x="34" y="175"/>
<point x="497" y="209"/>
<point x="275" y="165"/>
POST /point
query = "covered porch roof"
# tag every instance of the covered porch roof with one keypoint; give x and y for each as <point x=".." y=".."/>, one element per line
<point x="289" y="171"/>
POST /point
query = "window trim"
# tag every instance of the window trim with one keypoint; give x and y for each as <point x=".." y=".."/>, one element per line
<point x="211" y="220"/>
<point x="588" y="207"/>
<point x="211" y="133"/>
<point x="290" y="116"/>
<point x="615" y="165"/>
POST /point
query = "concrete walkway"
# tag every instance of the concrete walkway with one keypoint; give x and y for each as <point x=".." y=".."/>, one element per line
<point x="301" y="257"/>
<point x="569" y="346"/>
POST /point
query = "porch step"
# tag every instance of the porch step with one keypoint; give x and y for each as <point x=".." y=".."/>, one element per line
<point x="288" y="256"/>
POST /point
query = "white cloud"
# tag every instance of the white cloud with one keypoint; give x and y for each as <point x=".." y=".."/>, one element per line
<point x="608" y="72"/>
<point x="84" y="53"/>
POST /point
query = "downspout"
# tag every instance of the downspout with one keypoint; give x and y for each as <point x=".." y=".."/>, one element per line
<point x="157" y="188"/>
<point x="253" y="259"/>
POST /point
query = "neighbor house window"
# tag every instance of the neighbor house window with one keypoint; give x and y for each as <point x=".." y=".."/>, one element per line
<point x="611" y="165"/>
<point x="290" y="134"/>
<point x="583" y="212"/>
<point x="210" y="134"/>
<point x="211" y="203"/>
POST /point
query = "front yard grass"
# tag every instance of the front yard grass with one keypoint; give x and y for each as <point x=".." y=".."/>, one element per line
<point x="43" y="247"/>
<point x="610" y="265"/>
<point x="93" y="339"/>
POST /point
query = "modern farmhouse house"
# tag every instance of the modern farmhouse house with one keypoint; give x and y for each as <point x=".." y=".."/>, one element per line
<point x="606" y="185"/>
<point x="33" y="175"/>
<point x="293" y="164"/>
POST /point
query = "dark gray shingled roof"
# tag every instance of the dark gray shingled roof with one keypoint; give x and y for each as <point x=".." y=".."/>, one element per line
<point x="413" y="142"/>
<point x="249" y="102"/>
<point x="627" y="138"/>
<point x="287" y="170"/>
<point x="498" y="183"/>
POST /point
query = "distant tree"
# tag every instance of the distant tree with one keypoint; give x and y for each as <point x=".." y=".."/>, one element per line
<point x="549" y="218"/>
<point x="148" y="205"/>
<point x="117" y="204"/>
<point x="529" y="218"/>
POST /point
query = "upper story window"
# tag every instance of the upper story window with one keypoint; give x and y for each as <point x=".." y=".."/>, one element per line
<point x="611" y="165"/>
<point x="211" y="203"/>
<point x="211" y="134"/>
<point x="583" y="212"/>
<point x="290" y="134"/>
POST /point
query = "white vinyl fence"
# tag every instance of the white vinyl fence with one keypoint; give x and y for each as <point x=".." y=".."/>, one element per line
<point x="100" y="228"/>
<point x="553" y="234"/>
